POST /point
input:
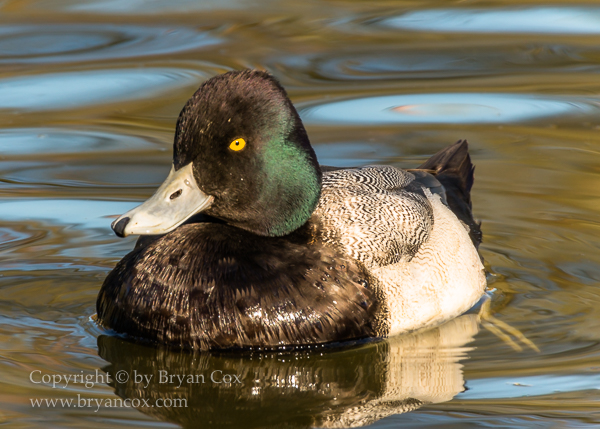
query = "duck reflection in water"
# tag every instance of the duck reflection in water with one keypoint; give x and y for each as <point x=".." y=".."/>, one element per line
<point x="347" y="387"/>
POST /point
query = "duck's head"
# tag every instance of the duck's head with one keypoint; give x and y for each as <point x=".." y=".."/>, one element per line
<point x="241" y="155"/>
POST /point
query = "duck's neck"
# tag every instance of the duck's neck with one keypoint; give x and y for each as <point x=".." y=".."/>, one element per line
<point x="292" y="184"/>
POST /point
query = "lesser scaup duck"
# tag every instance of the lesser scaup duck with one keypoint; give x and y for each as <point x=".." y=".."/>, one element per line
<point x="285" y="252"/>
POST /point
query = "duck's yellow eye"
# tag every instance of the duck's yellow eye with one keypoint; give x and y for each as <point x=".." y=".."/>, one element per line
<point x="237" y="144"/>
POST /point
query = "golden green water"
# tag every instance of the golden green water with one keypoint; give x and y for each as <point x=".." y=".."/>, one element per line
<point x="89" y="95"/>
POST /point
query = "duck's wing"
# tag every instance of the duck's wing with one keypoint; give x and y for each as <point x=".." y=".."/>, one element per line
<point x="212" y="286"/>
<point x="381" y="215"/>
<point x="376" y="214"/>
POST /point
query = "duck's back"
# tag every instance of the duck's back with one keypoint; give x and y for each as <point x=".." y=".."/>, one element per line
<point x="424" y="266"/>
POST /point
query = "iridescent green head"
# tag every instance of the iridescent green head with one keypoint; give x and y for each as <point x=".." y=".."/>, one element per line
<point x="241" y="154"/>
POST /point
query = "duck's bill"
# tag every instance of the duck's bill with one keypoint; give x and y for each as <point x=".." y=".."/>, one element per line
<point x="177" y="199"/>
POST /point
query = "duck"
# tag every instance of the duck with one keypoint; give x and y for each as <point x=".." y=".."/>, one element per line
<point x="251" y="244"/>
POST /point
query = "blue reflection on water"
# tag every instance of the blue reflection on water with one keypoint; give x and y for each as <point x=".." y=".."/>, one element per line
<point x="26" y="141"/>
<point x="550" y="20"/>
<point x="453" y="108"/>
<point x="151" y="6"/>
<point x="351" y="154"/>
<point x="85" y="214"/>
<point x="76" y="89"/>
<point x="537" y="385"/>
<point x="54" y="43"/>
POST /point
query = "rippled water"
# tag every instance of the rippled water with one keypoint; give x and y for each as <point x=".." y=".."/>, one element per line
<point x="89" y="94"/>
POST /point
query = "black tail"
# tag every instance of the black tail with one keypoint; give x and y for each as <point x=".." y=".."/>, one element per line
<point x="453" y="168"/>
